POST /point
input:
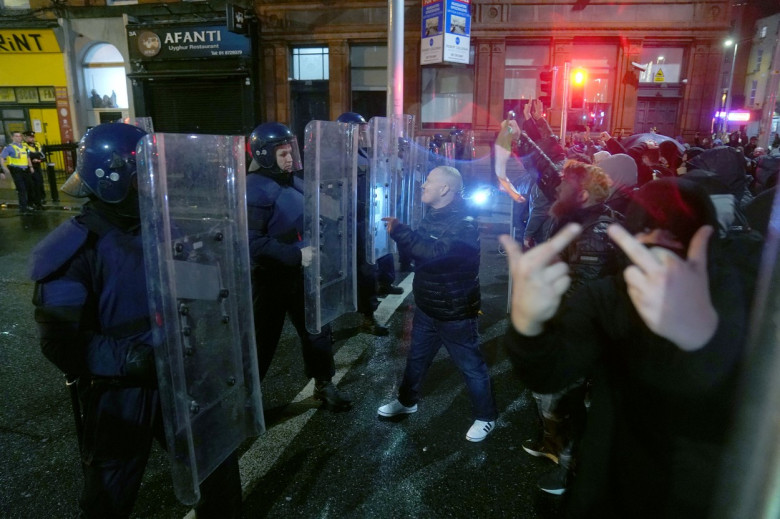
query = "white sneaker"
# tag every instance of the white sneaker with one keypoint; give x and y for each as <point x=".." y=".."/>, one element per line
<point x="395" y="408"/>
<point x="479" y="430"/>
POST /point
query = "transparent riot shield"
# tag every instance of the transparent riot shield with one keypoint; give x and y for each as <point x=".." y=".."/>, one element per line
<point x="419" y="157"/>
<point x="145" y="123"/>
<point x="386" y="179"/>
<point x="193" y="207"/>
<point x="330" y="203"/>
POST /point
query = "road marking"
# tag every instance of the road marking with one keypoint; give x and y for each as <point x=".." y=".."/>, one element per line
<point x="269" y="446"/>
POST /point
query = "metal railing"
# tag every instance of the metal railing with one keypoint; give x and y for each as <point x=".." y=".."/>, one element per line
<point x="61" y="158"/>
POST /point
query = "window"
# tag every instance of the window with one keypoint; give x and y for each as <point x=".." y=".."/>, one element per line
<point x="15" y="4"/>
<point x="521" y="81"/>
<point x="762" y="32"/>
<point x="447" y="97"/>
<point x="368" y="73"/>
<point x="104" y="77"/>
<point x="599" y="64"/>
<point x="662" y="64"/>
<point x="753" y="88"/>
<point x="310" y="63"/>
<point x="759" y="58"/>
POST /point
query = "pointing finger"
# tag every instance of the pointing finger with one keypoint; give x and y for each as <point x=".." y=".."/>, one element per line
<point x="543" y="254"/>
<point x="634" y="249"/>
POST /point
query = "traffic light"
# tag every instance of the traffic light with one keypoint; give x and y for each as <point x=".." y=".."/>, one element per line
<point x="578" y="80"/>
<point x="546" y="86"/>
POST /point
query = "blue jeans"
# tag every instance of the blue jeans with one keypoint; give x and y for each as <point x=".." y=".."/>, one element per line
<point x="461" y="338"/>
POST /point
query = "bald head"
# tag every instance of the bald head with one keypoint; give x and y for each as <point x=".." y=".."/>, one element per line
<point x="443" y="184"/>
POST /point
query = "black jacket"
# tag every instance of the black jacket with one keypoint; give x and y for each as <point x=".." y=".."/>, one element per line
<point x="592" y="255"/>
<point x="445" y="251"/>
<point x="659" y="416"/>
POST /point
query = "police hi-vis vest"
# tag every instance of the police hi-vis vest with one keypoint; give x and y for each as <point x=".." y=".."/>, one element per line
<point x="33" y="151"/>
<point x="18" y="158"/>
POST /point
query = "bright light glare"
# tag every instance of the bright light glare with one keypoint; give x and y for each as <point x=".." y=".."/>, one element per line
<point x="735" y="116"/>
<point x="578" y="77"/>
<point x="481" y="196"/>
<point x="728" y="43"/>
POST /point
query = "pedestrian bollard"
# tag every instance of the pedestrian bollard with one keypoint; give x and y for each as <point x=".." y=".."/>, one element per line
<point x="52" y="175"/>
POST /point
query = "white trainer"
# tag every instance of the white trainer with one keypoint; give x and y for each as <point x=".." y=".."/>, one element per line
<point x="479" y="430"/>
<point x="395" y="408"/>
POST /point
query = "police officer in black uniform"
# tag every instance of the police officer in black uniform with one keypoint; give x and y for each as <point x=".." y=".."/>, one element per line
<point x="274" y="195"/>
<point x="94" y="323"/>
<point x="38" y="196"/>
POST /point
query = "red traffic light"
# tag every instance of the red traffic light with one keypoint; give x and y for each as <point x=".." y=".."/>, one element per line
<point x="578" y="76"/>
<point x="578" y="79"/>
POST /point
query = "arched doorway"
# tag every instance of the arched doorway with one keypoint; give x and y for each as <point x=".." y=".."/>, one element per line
<point x="105" y="84"/>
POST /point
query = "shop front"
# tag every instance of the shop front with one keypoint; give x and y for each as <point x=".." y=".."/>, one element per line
<point x="34" y="92"/>
<point x="192" y="78"/>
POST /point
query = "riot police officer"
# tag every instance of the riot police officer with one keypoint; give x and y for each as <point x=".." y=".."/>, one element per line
<point x="366" y="272"/>
<point x="274" y="196"/>
<point x="93" y="319"/>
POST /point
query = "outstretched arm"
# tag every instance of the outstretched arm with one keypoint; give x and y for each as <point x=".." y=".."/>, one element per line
<point x="502" y="151"/>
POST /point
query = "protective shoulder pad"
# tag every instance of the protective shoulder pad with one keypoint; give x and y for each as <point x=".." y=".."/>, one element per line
<point x="56" y="248"/>
<point x="261" y="190"/>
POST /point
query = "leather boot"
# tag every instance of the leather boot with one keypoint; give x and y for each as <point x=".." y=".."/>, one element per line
<point x="370" y="326"/>
<point x="331" y="398"/>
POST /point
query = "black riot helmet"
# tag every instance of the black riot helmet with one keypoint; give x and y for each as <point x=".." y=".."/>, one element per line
<point x="106" y="163"/>
<point x="266" y="139"/>
<point x="351" y="117"/>
<point x="364" y="136"/>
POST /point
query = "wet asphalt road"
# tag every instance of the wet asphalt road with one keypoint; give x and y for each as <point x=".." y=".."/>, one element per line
<point x="311" y="463"/>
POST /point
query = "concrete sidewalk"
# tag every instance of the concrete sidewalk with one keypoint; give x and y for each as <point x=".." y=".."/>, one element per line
<point x="9" y="200"/>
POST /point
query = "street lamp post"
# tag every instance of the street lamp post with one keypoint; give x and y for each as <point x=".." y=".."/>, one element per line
<point x="725" y="123"/>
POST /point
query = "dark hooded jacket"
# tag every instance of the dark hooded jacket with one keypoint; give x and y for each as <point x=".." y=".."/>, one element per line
<point x="659" y="416"/>
<point x="445" y="251"/>
<point x="729" y="165"/>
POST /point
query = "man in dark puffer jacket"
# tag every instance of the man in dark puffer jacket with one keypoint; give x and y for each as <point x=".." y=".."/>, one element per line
<point x="445" y="251"/>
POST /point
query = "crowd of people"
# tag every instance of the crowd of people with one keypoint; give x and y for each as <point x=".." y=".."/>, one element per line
<point x="633" y="274"/>
<point x="630" y="309"/>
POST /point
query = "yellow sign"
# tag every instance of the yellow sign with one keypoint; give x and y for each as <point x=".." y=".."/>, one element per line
<point x="7" y="95"/>
<point x="659" y="76"/>
<point x="26" y="95"/>
<point x="46" y="94"/>
<point x="28" y="41"/>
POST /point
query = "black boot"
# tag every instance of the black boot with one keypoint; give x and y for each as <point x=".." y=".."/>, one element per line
<point x="370" y="326"/>
<point x="385" y="290"/>
<point x="331" y="398"/>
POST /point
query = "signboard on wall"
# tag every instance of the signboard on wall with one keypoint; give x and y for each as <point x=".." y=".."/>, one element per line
<point x="186" y="42"/>
<point x="446" y="31"/>
<point x="28" y="41"/>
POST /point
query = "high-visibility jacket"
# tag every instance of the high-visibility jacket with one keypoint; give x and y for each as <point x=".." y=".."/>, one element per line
<point x="34" y="152"/>
<point x="18" y="157"/>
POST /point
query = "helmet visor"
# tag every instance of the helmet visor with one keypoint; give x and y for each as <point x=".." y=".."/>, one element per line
<point x="75" y="187"/>
<point x="287" y="156"/>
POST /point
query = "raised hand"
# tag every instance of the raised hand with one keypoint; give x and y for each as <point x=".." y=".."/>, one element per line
<point x="539" y="279"/>
<point x="537" y="109"/>
<point x="671" y="294"/>
<point x="390" y="223"/>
